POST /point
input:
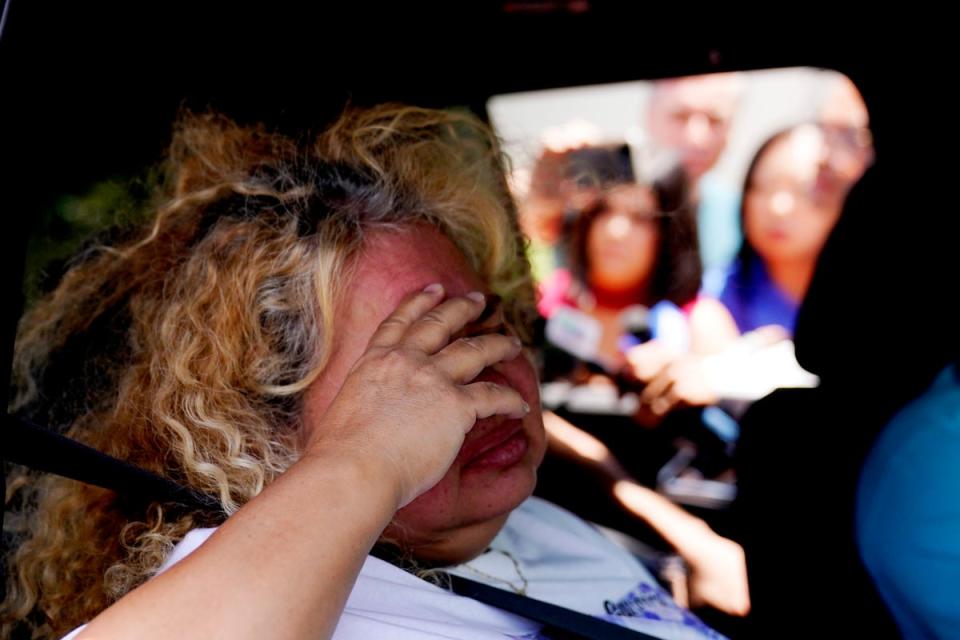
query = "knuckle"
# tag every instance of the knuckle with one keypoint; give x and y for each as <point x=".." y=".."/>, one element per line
<point x="472" y="344"/>
<point x="490" y="388"/>
<point x="459" y="396"/>
<point x="391" y="321"/>
<point x="427" y="374"/>
<point x="433" y="317"/>
<point x="396" y="361"/>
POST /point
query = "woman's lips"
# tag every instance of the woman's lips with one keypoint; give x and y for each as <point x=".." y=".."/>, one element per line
<point x="499" y="441"/>
<point x="777" y="233"/>
<point x="501" y="446"/>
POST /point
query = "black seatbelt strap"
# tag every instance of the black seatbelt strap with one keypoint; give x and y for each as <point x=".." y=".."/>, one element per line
<point x="559" y="623"/>
<point x="33" y="446"/>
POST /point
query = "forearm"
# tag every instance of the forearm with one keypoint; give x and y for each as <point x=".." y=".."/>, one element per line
<point x="683" y="531"/>
<point x="281" y="567"/>
<point x="677" y="527"/>
<point x="572" y="442"/>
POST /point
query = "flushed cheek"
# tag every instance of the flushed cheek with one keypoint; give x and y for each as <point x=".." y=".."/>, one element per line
<point x="521" y="375"/>
<point x="449" y="502"/>
<point x="434" y="509"/>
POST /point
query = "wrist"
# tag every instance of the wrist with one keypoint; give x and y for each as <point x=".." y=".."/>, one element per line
<point x="359" y="479"/>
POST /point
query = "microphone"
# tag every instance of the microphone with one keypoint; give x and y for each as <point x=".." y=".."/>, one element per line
<point x="575" y="332"/>
<point x="635" y="322"/>
<point x="578" y="334"/>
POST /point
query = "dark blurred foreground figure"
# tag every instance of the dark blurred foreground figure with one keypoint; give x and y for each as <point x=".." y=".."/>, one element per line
<point x="875" y="329"/>
<point x="908" y="516"/>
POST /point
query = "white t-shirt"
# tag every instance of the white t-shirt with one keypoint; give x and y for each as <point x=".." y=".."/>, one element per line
<point x="555" y="555"/>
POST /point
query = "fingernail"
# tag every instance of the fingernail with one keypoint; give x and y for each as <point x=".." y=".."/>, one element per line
<point x="526" y="408"/>
<point x="477" y="296"/>
<point x="434" y="288"/>
<point x="516" y="341"/>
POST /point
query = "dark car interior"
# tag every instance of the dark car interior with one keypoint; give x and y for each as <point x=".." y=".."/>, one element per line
<point x="87" y="94"/>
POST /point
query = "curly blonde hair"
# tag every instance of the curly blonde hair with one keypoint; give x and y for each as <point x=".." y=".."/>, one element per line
<point x="200" y="331"/>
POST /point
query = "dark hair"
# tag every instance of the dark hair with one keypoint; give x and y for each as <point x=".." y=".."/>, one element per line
<point x="678" y="269"/>
<point x="746" y="255"/>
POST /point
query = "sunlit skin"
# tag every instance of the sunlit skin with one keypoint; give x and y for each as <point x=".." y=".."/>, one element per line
<point x="791" y="206"/>
<point x="496" y="467"/>
<point x="692" y="117"/>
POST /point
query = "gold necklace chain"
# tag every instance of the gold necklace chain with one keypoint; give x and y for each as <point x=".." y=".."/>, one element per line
<point x="524" y="583"/>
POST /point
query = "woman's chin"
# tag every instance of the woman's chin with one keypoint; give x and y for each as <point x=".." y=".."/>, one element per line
<point x="456" y="519"/>
<point x="465" y="545"/>
<point x="478" y="520"/>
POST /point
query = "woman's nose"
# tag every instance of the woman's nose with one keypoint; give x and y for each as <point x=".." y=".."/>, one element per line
<point x="698" y="129"/>
<point x="782" y="203"/>
<point x="618" y="226"/>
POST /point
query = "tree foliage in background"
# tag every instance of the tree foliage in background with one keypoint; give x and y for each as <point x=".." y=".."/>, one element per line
<point x="76" y="224"/>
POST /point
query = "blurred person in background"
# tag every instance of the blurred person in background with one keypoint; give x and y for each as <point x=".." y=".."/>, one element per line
<point x="793" y="192"/>
<point x="633" y="277"/>
<point x="793" y="195"/>
<point x="691" y="117"/>
<point x="565" y="176"/>
<point x="846" y="123"/>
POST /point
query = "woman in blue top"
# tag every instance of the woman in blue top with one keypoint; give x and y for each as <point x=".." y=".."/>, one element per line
<point x="793" y="195"/>
<point x="792" y="200"/>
